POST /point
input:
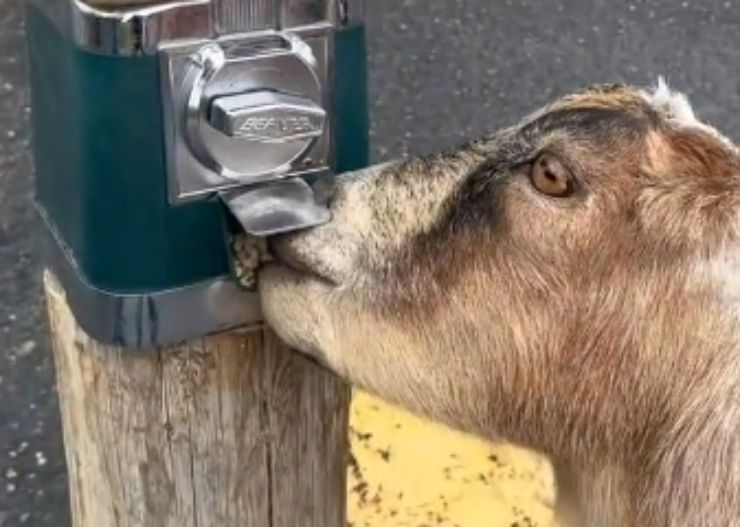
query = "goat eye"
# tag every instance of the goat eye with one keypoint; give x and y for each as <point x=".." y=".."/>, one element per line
<point x="550" y="177"/>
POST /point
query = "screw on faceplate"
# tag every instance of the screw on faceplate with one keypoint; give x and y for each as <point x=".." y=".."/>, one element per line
<point x="210" y="58"/>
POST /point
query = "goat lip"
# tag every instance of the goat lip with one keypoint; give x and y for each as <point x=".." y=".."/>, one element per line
<point x="284" y="253"/>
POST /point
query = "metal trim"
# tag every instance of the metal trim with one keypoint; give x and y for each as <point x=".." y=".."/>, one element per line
<point x="144" y="320"/>
<point x="138" y="30"/>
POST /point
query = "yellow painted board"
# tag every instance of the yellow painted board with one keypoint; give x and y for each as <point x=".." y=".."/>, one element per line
<point x="407" y="472"/>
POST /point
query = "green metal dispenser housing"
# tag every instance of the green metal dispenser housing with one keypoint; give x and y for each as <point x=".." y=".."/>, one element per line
<point x="161" y="130"/>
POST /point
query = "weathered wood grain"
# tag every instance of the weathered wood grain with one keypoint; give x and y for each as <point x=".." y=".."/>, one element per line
<point x="225" y="431"/>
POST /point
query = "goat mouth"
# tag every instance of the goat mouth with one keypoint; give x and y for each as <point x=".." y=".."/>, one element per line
<point x="285" y="253"/>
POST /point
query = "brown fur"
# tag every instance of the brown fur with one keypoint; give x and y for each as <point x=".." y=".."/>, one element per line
<point x="602" y="329"/>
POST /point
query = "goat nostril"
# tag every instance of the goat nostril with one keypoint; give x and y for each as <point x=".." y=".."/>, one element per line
<point x="274" y="243"/>
<point x="325" y="190"/>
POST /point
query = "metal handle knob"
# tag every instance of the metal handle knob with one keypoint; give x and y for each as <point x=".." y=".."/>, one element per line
<point x="268" y="116"/>
<point x="253" y="109"/>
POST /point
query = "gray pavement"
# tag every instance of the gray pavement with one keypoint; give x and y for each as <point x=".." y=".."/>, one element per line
<point x="442" y="71"/>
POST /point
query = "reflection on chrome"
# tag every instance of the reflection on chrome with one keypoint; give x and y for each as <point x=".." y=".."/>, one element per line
<point x="136" y="30"/>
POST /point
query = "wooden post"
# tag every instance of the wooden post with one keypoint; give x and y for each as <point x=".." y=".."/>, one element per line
<point x="230" y="430"/>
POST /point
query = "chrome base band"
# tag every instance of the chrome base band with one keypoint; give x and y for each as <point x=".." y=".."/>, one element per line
<point x="150" y="319"/>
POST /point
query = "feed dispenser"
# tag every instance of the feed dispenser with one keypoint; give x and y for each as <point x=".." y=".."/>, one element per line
<point x="163" y="129"/>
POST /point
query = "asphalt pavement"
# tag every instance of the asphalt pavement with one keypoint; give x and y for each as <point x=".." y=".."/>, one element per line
<point x="442" y="71"/>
